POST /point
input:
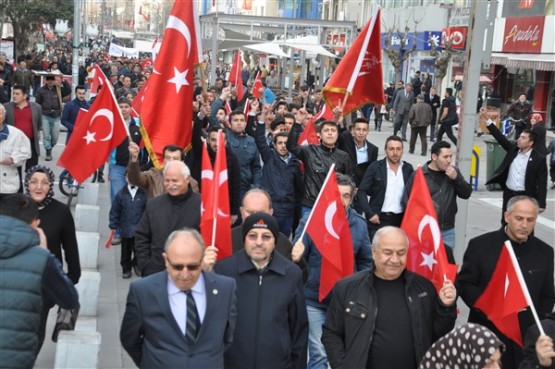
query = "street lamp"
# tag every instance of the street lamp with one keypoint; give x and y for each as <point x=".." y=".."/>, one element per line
<point x="61" y="27"/>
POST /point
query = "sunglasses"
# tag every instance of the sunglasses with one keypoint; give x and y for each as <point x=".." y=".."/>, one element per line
<point x="180" y="267"/>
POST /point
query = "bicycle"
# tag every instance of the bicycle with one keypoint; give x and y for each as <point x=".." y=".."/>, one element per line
<point x="69" y="185"/>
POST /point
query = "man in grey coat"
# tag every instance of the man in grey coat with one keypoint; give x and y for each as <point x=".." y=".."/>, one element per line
<point x="401" y="107"/>
<point x="420" y="116"/>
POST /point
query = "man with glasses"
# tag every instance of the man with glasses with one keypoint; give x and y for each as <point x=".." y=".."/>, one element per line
<point x="272" y="325"/>
<point x="179" y="207"/>
<point x="181" y="317"/>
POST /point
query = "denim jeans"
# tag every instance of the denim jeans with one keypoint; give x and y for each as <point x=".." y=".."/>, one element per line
<point x="285" y="224"/>
<point x="117" y="180"/>
<point x="305" y="210"/>
<point x="317" y="358"/>
<point x="50" y="131"/>
<point x="448" y="236"/>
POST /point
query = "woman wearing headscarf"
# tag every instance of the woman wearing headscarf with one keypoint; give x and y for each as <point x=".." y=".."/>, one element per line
<point x="57" y="223"/>
<point x="538" y="125"/>
<point x="468" y="346"/>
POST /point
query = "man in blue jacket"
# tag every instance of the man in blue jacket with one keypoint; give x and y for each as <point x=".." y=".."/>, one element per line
<point x="281" y="175"/>
<point x="71" y="109"/>
<point x="363" y="260"/>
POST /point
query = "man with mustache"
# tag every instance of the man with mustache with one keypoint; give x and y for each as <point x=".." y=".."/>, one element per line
<point x="179" y="207"/>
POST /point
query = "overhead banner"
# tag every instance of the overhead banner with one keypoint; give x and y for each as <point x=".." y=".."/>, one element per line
<point x="118" y="50"/>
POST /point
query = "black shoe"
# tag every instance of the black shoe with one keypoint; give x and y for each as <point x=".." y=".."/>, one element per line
<point x="126" y="275"/>
<point x="48" y="155"/>
<point x="404" y="139"/>
<point x="101" y="179"/>
<point x="423" y="154"/>
<point x="411" y="152"/>
<point x="137" y="271"/>
<point x="552" y="185"/>
<point x="432" y="140"/>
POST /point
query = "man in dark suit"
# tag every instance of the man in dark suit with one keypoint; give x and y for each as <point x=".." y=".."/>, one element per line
<point x="181" y="317"/>
<point x="387" y="176"/>
<point x="401" y="106"/>
<point x="433" y="100"/>
<point x="523" y="170"/>
<point x="360" y="150"/>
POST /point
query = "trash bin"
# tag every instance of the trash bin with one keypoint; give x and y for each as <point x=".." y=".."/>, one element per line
<point x="495" y="156"/>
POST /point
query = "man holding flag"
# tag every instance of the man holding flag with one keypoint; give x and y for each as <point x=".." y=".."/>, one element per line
<point x="535" y="259"/>
<point x="388" y="314"/>
<point x="317" y="307"/>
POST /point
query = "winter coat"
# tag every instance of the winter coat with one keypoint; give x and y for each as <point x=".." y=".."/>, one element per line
<point x="126" y="211"/>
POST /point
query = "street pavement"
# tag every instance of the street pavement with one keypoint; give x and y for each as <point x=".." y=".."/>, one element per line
<point x="484" y="214"/>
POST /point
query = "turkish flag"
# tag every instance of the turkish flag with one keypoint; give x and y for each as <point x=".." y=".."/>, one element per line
<point x="426" y="255"/>
<point x="167" y="109"/>
<point x="235" y="76"/>
<point x="309" y="135"/>
<point x="325" y="113"/>
<point x="504" y="297"/>
<point x="257" y="85"/>
<point x="96" y="133"/>
<point x="137" y="102"/>
<point x="96" y="78"/>
<point x="328" y="227"/>
<point x="359" y="74"/>
<point x="215" y="222"/>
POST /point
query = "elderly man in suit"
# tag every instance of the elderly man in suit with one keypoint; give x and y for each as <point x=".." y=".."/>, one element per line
<point x="181" y="317"/>
<point x="401" y="106"/>
<point x="523" y="170"/>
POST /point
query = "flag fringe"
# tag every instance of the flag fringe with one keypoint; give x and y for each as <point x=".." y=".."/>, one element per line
<point x="149" y="147"/>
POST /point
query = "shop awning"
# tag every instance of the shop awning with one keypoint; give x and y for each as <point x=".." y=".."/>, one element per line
<point x="525" y="61"/>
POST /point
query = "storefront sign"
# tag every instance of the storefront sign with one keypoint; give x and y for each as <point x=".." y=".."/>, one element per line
<point x="523" y="8"/>
<point x="460" y="17"/>
<point x="523" y="34"/>
<point x="457" y="35"/>
<point x="396" y="40"/>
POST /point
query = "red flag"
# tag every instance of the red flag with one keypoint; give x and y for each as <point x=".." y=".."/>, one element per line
<point x="247" y="108"/>
<point x="137" y="102"/>
<point x="309" y="135"/>
<point x="504" y="297"/>
<point x="427" y="255"/>
<point x="166" y="112"/>
<point x="235" y="75"/>
<point x="215" y="201"/>
<point x="96" y="78"/>
<point x="326" y="113"/>
<point x="95" y="135"/>
<point x="227" y="108"/>
<point x="329" y="229"/>
<point x="359" y="74"/>
<point x="257" y="85"/>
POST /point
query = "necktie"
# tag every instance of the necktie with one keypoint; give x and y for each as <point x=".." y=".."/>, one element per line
<point x="193" y="322"/>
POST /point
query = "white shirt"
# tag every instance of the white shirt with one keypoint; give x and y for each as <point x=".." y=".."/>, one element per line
<point x="517" y="171"/>
<point x="132" y="190"/>
<point x="362" y="153"/>
<point x="178" y="301"/>
<point x="393" y="190"/>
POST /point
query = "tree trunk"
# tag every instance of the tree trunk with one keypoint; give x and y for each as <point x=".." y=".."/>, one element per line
<point x="20" y="38"/>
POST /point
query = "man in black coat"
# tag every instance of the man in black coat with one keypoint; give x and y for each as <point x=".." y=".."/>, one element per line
<point x="179" y="207"/>
<point x="523" y="170"/>
<point x="272" y="323"/>
<point x="432" y="98"/>
<point x="360" y="150"/>
<point x="388" y="175"/>
<point x="535" y="259"/>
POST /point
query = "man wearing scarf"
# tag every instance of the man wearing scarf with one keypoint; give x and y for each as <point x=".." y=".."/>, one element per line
<point x="15" y="149"/>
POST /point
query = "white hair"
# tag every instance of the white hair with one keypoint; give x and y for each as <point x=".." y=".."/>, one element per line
<point x="184" y="168"/>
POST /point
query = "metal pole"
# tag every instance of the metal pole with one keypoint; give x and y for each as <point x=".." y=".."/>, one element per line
<point x="215" y="53"/>
<point x="76" y="36"/>
<point x="467" y="124"/>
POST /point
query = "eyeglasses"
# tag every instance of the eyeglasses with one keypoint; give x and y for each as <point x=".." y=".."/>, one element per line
<point x="180" y="267"/>
<point x="254" y="237"/>
<point x="39" y="183"/>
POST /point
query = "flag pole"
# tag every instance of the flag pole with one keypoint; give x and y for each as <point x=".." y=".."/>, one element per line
<point x="332" y="168"/>
<point x="202" y="68"/>
<point x="523" y="286"/>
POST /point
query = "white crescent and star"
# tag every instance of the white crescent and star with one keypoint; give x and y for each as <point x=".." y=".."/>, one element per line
<point x="180" y="77"/>
<point x="328" y="219"/>
<point x="91" y="135"/>
<point x="429" y="259"/>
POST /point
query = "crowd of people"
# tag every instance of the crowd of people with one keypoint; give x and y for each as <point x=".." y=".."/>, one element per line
<point x="260" y="307"/>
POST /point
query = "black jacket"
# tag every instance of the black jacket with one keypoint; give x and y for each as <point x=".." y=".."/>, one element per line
<point x="349" y="327"/>
<point x="346" y="142"/>
<point x="126" y="211"/>
<point x="374" y="184"/>
<point x="434" y="101"/>
<point x="535" y="259"/>
<point x="122" y="151"/>
<point x="535" y="180"/>
<point x="163" y="215"/>
<point x="317" y="160"/>
<point x="444" y="194"/>
<point x="283" y="181"/>
<point x="530" y="357"/>
<point x="272" y="323"/>
<point x="49" y="100"/>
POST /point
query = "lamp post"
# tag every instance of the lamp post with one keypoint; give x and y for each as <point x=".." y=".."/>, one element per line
<point x="75" y="46"/>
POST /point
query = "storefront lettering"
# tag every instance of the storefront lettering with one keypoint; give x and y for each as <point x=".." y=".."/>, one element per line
<point x="529" y="35"/>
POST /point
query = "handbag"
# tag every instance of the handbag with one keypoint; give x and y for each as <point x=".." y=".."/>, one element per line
<point x="65" y="320"/>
